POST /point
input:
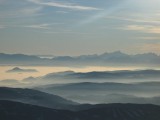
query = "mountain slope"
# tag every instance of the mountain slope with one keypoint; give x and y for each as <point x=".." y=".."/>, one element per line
<point x="35" y="97"/>
<point x="19" y="111"/>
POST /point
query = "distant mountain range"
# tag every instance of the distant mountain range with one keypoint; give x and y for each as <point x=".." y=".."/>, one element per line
<point x="18" y="59"/>
<point x="10" y="110"/>
<point x="114" y="58"/>
<point x="17" y="69"/>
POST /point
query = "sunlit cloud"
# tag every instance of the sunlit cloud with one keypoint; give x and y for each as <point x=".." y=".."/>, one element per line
<point x="143" y="28"/>
<point x="137" y="20"/>
<point x="63" y="5"/>
<point x="145" y="48"/>
<point x="154" y="47"/>
<point x="149" y="38"/>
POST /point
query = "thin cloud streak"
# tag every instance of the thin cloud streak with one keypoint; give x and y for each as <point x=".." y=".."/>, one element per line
<point x="31" y="10"/>
<point x="63" y="32"/>
<point x="40" y="26"/>
<point x="2" y="26"/>
<point x="43" y="26"/>
<point x="143" y="28"/>
<point x="28" y="11"/>
<point x="134" y="20"/>
<point x="64" y="5"/>
<point x="154" y="47"/>
<point x="149" y="38"/>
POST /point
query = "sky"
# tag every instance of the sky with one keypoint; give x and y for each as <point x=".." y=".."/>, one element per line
<point x="76" y="27"/>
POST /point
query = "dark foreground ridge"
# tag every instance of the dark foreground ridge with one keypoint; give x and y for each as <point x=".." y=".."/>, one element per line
<point x="10" y="110"/>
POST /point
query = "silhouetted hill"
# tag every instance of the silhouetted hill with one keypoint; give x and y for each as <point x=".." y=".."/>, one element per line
<point x="17" y="69"/>
<point x="35" y="97"/>
<point x="19" y="111"/>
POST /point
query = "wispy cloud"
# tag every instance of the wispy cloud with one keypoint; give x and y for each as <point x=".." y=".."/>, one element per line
<point x="137" y="20"/>
<point x="39" y="26"/>
<point x="145" y="48"/>
<point x="63" y="12"/>
<point x="21" y="12"/>
<point x="42" y="26"/>
<point x="32" y="10"/>
<point x="102" y="14"/>
<point x="2" y="26"/>
<point x="155" y="47"/>
<point x="67" y="32"/>
<point x="143" y="28"/>
<point x="142" y="22"/>
<point x="149" y="38"/>
<point x="64" y="5"/>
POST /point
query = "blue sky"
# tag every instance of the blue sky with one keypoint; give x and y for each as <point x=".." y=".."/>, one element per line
<point x="74" y="27"/>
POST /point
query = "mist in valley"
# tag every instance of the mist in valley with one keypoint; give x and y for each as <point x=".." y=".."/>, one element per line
<point x="89" y="84"/>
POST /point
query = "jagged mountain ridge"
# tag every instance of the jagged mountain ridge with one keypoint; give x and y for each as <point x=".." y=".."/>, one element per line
<point x="114" y="58"/>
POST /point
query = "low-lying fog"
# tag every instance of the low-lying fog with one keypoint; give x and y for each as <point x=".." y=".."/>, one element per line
<point x="117" y="85"/>
<point x="43" y="70"/>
